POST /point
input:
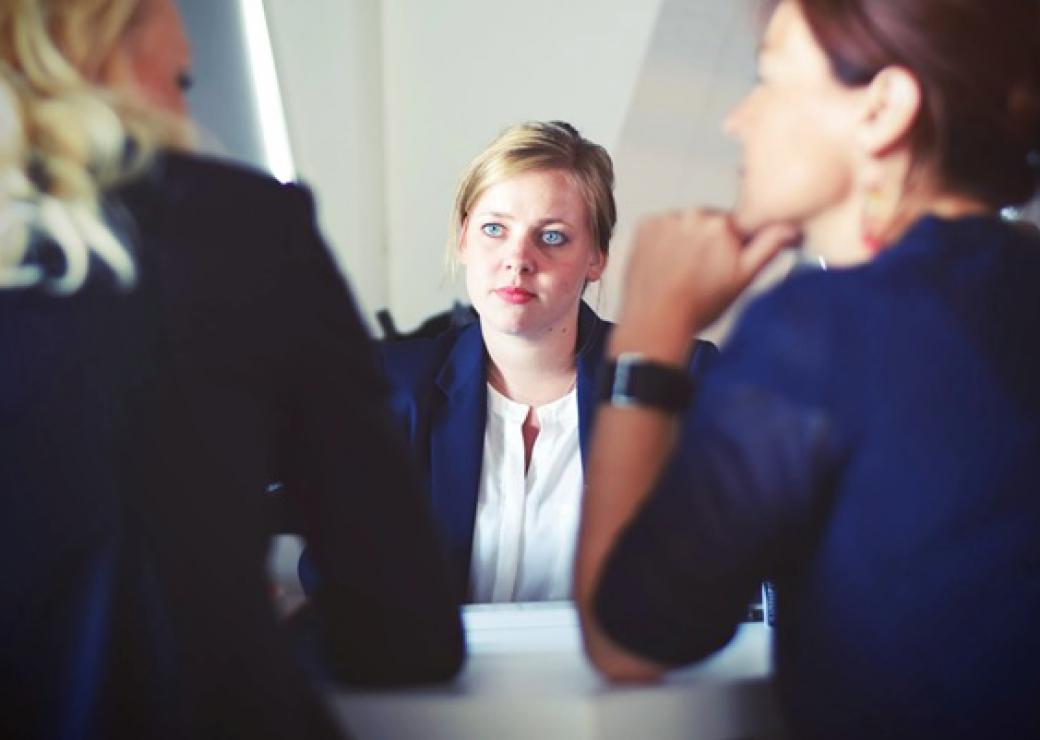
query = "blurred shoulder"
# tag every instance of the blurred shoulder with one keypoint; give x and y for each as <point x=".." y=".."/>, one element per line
<point x="785" y="339"/>
<point x="205" y="224"/>
<point x="209" y="187"/>
<point x="200" y="169"/>
<point x="801" y="302"/>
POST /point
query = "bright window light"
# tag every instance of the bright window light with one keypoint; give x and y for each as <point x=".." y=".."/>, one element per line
<point x="270" y="111"/>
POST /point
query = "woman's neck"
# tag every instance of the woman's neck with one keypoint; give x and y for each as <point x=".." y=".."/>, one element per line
<point x="838" y="234"/>
<point x="532" y="370"/>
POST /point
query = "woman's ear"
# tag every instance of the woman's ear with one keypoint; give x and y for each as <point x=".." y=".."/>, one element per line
<point x="114" y="71"/>
<point x="893" y="103"/>
<point x="597" y="264"/>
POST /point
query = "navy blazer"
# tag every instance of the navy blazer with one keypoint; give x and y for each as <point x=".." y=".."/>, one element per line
<point x="139" y="429"/>
<point x="439" y="395"/>
<point x="870" y="441"/>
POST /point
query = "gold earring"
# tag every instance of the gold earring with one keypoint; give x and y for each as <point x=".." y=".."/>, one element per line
<point x="875" y="218"/>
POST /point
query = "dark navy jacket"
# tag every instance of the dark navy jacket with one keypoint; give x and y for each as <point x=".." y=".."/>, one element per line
<point x="138" y="431"/>
<point x="869" y="440"/>
<point x="439" y="395"/>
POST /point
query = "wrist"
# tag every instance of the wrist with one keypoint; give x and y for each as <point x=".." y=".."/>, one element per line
<point x="633" y="380"/>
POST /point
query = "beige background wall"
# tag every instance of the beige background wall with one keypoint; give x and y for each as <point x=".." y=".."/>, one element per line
<point x="387" y="101"/>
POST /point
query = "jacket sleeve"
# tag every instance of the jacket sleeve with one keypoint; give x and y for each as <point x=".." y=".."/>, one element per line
<point x="738" y="500"/>
<point x="384" y="602"/>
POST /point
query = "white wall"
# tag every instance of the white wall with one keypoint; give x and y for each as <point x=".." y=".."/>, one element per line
<point x="672" y="151"/>
<point x="329" y="60"/>
<point x="222" y="99"/>
<point x="459" y="71"/>
<point x="388" y="100"/>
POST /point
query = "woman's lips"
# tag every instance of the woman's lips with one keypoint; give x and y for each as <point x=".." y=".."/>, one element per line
<point x="514" y="295"/>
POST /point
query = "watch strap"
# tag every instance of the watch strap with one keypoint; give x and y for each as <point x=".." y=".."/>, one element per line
<point x="633" y="380"/>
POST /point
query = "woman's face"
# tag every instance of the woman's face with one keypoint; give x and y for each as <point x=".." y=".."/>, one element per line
<point x="528" y="253"/>
<point x="797" y="131"/>
<point x="154" y="57"/>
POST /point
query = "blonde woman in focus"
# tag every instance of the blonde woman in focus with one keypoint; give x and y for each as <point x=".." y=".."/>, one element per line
<point x="174" y="339"/>
<point x="498" y="412"/>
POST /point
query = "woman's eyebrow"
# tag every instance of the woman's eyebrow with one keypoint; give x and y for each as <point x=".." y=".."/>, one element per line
<point x="508" y="216"/>
<point x="553" y="220"/>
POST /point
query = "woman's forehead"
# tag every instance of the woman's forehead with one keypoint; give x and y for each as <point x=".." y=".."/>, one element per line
<point x="788" y="40"/>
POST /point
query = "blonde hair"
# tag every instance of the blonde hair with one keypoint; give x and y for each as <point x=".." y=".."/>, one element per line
<point x="538" y="145"/>
<point x="64" y="140"/>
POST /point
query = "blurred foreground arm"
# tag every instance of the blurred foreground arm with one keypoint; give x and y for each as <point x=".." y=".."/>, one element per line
<point x="685" y="270"/>
<point x="385" y="607"/>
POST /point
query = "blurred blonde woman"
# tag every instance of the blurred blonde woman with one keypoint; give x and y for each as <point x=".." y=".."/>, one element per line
<point x="65" y="139"/>
<point x="174" y="338"/>
<point x="498" y="412"/>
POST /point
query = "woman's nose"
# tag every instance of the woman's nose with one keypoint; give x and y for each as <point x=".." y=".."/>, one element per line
<point x="520" y="255"/>
<point x="733" y="123"/>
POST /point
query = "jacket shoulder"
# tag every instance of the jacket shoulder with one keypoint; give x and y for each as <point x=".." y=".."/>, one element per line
<point x="203" y="170"/>
<point x="215" y="191"/>
<point x="412" y="365"/>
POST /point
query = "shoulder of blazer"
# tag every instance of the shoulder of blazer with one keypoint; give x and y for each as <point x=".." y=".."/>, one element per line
<point x="422" y="372"/>
<point x="412" y="365"/>
<point x="211" y="174"/>
<point x="214" y="192"/>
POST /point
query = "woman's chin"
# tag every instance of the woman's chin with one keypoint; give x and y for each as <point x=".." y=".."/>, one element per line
<point x="511" y="320"/>
<point x="748" y="220"/>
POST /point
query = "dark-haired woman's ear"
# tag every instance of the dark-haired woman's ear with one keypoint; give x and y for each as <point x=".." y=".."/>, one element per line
<point x="893" y="104"/>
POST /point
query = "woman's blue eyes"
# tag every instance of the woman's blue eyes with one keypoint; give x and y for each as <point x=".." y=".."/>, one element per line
<point x="550" y="238"/>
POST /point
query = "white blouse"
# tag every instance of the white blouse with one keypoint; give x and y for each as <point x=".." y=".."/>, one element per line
<point x="527" y="525"/>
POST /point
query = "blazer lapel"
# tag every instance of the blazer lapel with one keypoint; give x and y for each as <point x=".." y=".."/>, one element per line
<point x="592" y="339"/>
<point x="457" y="445"/>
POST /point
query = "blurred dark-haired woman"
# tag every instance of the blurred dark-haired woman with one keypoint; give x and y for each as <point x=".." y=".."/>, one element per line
<point x="870" y="437"/>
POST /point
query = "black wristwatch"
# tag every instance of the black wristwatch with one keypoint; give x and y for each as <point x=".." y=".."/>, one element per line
<point x="633" y="380"/>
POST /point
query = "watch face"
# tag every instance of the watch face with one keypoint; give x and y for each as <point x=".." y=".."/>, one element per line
<point x="634" y="381"/>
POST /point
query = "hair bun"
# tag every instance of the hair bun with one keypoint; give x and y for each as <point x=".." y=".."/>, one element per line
<point x="566" y="127"/>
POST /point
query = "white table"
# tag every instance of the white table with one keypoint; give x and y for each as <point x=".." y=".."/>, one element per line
<point x="526" y="677"/>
